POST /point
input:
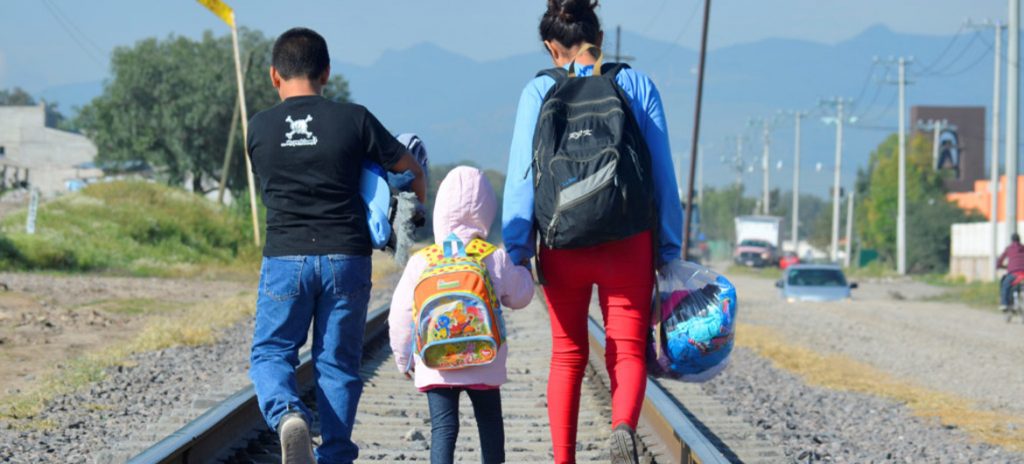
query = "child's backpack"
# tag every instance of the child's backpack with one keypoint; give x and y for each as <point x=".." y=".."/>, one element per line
<point x="456" y="312"/>
<point x="693" y="337"/>
<point x="591" y="166"/>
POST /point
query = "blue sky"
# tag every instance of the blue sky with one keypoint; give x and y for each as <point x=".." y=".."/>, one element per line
<point x="45" y="43"/>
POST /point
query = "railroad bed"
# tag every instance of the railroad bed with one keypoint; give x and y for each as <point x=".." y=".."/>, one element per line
<point x="393" y="420"/>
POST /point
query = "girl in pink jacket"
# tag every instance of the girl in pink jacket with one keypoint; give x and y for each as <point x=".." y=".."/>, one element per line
<point x="465" y="205"/>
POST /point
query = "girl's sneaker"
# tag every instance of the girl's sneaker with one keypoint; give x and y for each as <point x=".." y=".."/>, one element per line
<point x="624" y="445"/>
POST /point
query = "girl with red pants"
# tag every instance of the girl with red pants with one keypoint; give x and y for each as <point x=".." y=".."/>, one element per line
<point x="622" y="270"/>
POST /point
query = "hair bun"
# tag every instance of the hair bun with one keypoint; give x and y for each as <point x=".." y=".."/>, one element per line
<point x="570" y="11"/>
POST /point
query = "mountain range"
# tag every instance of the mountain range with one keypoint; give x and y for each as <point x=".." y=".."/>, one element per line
<point x="464" y="109"/>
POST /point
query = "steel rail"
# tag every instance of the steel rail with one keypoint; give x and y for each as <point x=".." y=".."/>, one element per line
<point x="205" y="438"/>
<point x="677" y="437"/>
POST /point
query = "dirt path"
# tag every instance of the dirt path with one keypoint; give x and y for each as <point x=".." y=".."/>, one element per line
<point x="47" y="319"/>
<point x="942" y="346"/>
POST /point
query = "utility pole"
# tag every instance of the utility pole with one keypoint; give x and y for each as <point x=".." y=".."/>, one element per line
<point x="1012" y="113"/>
<point x="836" y="189"/>
<point x="766" y="139"/>
<point x="993" y="187"/>
<point x="619" y="57"/>
<point x="994" y="168"/>
<point x="901" y="205"/>
<point x="901" y="220"/>
<point x="849" y="228"/>
<point x="766" y="166"/>
<point x="695" y="139"/>
<point x="795" y="220"/>
<point x="700" y="174"/>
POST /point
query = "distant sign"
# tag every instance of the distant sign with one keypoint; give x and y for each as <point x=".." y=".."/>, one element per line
<point x="33" y="208"/>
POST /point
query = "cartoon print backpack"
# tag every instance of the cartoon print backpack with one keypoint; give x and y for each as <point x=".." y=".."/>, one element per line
<point x="456" y="312"/>
<point x="694" y="336"/>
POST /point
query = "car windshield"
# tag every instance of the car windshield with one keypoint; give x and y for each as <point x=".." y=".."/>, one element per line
<point x="755" y="243"/>
<point x="817" y="278"/>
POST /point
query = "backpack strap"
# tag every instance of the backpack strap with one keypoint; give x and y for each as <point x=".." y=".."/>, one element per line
<point x="480" y="249"/>
<point x="560" y="75"/>
<point x="432" y="254"/>
<point x="610" y="70"/>
<point x="453" y="247"/>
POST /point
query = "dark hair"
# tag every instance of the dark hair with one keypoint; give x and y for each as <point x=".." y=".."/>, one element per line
<point x="1015" y="238"/>
<point x="300" y="52"/>
<point x="570" y="22"/>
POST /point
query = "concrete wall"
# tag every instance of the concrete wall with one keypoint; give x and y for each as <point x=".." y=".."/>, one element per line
<point x="49" y="154"/>
<point x="970" y="249"/>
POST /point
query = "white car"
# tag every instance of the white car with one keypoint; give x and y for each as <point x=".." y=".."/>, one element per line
<point x="814" y="282"/>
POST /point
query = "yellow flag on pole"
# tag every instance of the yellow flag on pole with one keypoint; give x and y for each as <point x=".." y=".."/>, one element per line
<point x="221" y="9"/>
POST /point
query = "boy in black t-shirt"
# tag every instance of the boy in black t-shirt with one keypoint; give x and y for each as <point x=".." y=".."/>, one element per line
<point x="307" y="153"/>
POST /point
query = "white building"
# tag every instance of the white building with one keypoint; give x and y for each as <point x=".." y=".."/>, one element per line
<point x="46" y="156"/>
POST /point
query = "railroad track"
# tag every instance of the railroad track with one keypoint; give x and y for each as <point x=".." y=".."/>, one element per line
<point x="393" y="420"/>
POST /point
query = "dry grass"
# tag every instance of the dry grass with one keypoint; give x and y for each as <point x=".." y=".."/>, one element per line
<point x="197" y="325"/>
<point x="842" y="373"/>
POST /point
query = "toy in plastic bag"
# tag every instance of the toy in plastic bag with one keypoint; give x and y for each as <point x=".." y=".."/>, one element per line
<point x="693" y="338"/>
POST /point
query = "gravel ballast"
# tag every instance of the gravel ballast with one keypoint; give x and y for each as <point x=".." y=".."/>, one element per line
<point x="814" y="424"/>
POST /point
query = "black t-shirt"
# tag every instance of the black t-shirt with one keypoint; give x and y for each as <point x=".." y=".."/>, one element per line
<point x="307" y="153"/>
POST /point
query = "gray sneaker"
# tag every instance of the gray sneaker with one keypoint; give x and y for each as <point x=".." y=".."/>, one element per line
<point x="296" y="443"/>
<point x="624" y="445"/>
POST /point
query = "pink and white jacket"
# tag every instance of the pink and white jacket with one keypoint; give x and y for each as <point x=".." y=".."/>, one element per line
<point x="466" y="206"/>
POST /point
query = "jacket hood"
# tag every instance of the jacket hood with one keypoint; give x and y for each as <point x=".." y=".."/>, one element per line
<point x="465" y="204"/>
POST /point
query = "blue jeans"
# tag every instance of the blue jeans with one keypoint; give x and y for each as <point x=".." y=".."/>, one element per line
<point x="444" y="424"/>
<point x="1006" y="289"/>
<point x="332" y="292"/>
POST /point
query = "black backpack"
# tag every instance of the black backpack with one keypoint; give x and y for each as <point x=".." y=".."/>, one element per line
<point x="592" y="177"/>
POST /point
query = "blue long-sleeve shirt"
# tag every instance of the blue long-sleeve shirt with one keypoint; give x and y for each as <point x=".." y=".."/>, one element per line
<point x="645" y="101"/>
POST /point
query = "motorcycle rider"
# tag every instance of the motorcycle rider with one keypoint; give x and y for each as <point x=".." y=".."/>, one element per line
<point x="1012" y="260"/>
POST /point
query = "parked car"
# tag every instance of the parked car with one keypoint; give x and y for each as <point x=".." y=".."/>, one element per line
<point x="788" y="259"/>
<point x="814" y="282"/>
<point x="755" y="253"/>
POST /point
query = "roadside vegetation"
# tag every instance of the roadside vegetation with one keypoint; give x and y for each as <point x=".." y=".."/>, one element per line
<point x="132" y="228"/>
<point x="981" y="295"/>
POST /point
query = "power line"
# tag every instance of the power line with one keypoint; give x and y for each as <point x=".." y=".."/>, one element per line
<point x="867" y="81"/>
<point x="70" y="29"/>
<point x="656" y="17"/>
<point x="963" y="51"/>
<point x="942" y="55"/>
<point x="675" y="41"/>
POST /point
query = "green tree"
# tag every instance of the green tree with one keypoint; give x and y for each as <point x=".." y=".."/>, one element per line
<point x="929" y="214"/>
<point x="719" y="208"/>
<point x="169" y="102"/>
<point x="16" y="97"/>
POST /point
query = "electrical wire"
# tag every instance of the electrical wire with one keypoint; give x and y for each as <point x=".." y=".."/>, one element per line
<point x="675" y="41"/>
<point x="70" y="28"/>
<point x="942" y="55"/>
<point x="969" y="67"/>
<point x="878" y="117"/>
<point x="656" y="17"/>
<point x="963" y="51"/>
<point x="867" y="81"/>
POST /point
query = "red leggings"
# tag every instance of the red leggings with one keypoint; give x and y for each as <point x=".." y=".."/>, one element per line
<point x="623" y="273"/>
